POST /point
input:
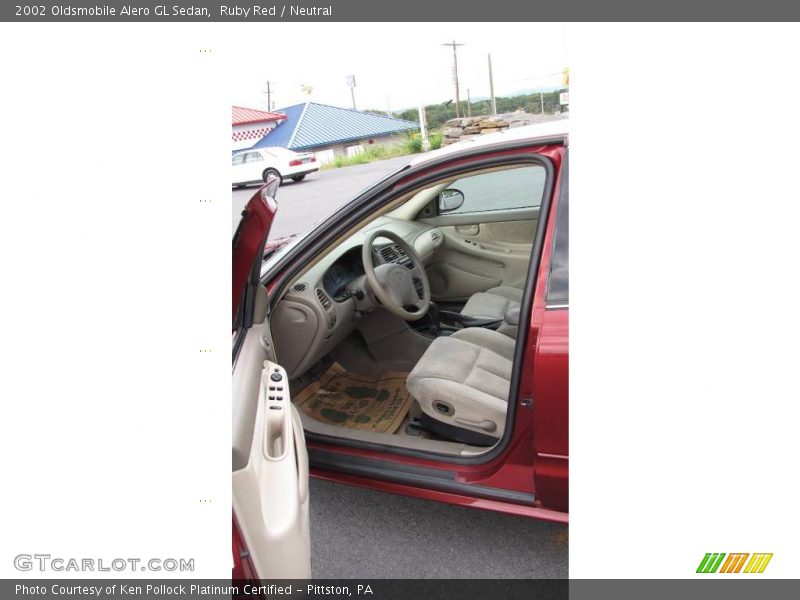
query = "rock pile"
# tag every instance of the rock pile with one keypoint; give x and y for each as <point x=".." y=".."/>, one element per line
<point x="464" y="128"/>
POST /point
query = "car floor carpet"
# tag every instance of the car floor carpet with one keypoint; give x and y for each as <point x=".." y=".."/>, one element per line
<point x="371" y="403"/>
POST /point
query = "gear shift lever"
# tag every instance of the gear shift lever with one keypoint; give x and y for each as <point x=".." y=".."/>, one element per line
<point x="433" y="315"/>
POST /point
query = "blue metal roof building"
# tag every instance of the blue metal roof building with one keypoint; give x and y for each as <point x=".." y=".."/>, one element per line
<point x="311" y="126"/>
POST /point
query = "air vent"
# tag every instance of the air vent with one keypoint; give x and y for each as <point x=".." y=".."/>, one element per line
<point x="323" y="299"/>
<point x="389" y="254"/>
<point x="392" y="253"/>
<point x="299" y="287"/>
<point x="436" y="236"/>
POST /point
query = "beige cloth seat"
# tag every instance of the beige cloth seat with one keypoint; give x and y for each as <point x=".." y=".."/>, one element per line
<point x="493" y="303"/>
<point x="462" y="384"/>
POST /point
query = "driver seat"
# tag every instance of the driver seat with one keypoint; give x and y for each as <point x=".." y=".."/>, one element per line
<point x="462" y="384"/>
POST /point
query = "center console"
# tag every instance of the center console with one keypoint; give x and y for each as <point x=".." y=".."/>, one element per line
<point x="439" y="322"/>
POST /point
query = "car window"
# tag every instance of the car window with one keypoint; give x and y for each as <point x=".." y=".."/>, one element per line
<point x="252" y="157"/>
<point x="238" y="159"/>
<point x="501" y="190"/>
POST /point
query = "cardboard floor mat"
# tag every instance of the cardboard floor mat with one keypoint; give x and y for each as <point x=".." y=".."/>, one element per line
<point x="377" y="404"/>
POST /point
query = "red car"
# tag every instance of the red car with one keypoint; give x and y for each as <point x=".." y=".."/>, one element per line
<point x="414" y="342"/>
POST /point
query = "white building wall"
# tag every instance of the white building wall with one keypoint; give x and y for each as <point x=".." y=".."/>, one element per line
<point x="325" y="156"/>
<point x="244" y="136"/>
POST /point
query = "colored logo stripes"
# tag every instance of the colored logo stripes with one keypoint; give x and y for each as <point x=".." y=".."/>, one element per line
<point x="713" y="562"/>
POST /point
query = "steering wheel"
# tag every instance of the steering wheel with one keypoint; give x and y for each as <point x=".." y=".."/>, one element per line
<point x="393" y="283"/>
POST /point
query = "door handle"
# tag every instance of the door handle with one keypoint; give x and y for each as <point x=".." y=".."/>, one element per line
<point x="497" y="249"/>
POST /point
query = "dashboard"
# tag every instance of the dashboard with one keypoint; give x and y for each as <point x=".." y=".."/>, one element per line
<point x="328" y="301"/>
<point x="346" y="269"/>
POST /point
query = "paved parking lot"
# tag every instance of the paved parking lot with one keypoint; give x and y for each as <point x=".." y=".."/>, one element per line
<point x="303" y="203"/>
<point x="360" y="533"/>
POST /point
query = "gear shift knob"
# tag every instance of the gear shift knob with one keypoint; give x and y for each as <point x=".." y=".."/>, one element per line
<point x="433" y="315"/>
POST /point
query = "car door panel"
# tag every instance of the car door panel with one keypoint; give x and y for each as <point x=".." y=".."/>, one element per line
<point x="452" y="280"/>
<point x="517" y="234"/>
<point x="479" y="256"/>
<point x="270" y="493"/>
<point x="270" y="461"/>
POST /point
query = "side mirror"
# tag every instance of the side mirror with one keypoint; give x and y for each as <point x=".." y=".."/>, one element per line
<point x="450" y="200"/>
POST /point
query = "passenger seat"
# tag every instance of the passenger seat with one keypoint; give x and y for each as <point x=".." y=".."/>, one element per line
<point x="493" y="303"/>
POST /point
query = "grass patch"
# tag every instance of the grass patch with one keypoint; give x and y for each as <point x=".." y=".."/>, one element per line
<point x="412" y="144"/>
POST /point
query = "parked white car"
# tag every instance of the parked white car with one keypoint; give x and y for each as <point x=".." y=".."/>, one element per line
<point x="255" y="165"/>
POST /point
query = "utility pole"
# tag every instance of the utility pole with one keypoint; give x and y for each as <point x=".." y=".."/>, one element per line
<point x="351" y="83"/>
<point x="423" y="129"/>
<point x="491" y="87"/>
<point x="455" y="75"/>
<point x="269" y="95"/>
<point x="541" y="98"/>
<point x="469" y="104"/>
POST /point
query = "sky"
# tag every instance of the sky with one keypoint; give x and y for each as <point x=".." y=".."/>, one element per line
<point x="396" y="65"/>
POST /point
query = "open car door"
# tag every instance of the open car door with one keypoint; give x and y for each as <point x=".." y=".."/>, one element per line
<point x="271" y="536"/>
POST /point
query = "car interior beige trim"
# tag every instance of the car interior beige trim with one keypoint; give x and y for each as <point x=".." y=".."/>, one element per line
<point x="469" y="262"/>
<point x="270" y="494"/>
<point x="244" y="392"/>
